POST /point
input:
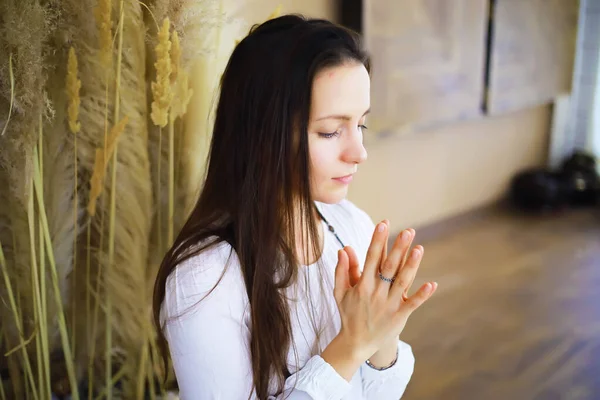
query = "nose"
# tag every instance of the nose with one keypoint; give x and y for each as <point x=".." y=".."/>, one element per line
<point x="355" y="152"/>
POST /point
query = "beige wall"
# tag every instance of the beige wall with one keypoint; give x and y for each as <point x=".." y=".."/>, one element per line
<point x="255" y="11"/>
<point x="417" y="179"/>
<point x="428" y="176"/>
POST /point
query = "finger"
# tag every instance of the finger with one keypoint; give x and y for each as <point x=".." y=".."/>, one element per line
<point x="412" y="238"/>
<point x="342" y="280"/>
<point x="407" y="273"/>
<point x="354" y="265"/>
<point x="391" y="265"/>
<point x="405" y="294"/>
<point x="385" y="245"/>
<point x="421" y="296"/>
<point x="373" y="258"/>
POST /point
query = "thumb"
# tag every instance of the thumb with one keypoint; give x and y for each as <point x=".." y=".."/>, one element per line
<point x="342" y="279"/>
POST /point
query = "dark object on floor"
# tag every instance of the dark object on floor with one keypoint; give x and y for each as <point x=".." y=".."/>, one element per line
<point x="537" y="190"/>
<point x="575" y="184"/>
<point x="580" y="180"/>
<point x="579" y="161"/>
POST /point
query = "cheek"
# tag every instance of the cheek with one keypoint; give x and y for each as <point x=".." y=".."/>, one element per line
<point x="321" y="160"/>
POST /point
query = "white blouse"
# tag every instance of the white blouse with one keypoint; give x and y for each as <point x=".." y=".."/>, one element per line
<point x="209" y="341"/>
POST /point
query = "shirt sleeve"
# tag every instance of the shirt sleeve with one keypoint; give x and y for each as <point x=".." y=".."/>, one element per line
<point x="390" y="383"/>
<point x="209" y="339"/>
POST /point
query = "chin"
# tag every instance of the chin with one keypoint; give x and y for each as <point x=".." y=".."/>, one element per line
<point x="331" y="197"/>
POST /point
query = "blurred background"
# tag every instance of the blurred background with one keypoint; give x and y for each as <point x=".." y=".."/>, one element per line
<point x="484" y="137"/>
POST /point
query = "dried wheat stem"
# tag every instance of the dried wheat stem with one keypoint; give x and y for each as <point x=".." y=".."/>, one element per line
<point x="62" y="325"/>
<point x="171" y="183"/>
<point x="73" y="86"/>
<point x="158" y="192"/>
<point x="35" y="284"/>
<point x="44" y="311"/>
<point x="162" y="96"/>
<point x="88" y="305"/>
<point x="104" y="24"/>
<point x="142" y="372"/>
<point x="111" y="229"/>
<point x="96" y="183"/>
<point x="114" y="379"/>
<point x="15" y="310"/>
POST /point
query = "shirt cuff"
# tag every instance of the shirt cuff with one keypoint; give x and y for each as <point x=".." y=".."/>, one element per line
<point x="320" y="380"/>
<point x="400" y="372"/>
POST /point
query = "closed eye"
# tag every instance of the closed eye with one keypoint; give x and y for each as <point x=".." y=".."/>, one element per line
<point x="332" y="134"/>
<point x="329" y="135"/>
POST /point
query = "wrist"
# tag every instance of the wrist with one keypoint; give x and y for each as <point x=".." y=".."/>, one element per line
<point x="388" y="366"/>
<point x="385" y="357"/>
<point x="344" y="356"/>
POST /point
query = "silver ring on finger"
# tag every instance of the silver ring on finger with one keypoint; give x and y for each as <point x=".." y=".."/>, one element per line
<point x="388" y="280"/>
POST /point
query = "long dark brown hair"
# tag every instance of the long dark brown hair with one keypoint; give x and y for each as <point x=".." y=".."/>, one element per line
<point x="257" y="182"/>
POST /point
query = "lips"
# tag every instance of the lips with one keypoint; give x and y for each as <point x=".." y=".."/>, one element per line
<point x="344" y="179"/>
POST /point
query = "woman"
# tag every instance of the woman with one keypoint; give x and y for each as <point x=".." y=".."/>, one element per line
<point x="277" y="286"/>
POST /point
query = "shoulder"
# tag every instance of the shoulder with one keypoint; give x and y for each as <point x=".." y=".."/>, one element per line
<point x="206" y="279"/>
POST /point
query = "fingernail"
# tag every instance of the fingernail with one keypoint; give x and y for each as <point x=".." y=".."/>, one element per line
<point x="416" y="253"/>
<point x="381" y="227"/>
<point x="428" y="288"/>
<point x="405" y="235"/>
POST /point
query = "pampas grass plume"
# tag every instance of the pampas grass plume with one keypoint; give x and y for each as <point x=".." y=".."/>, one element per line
<point x="175" y="56"/>
<point x="100" y="164"/>
<point x="161" y="89"/>
<point x="276" y="13"/>
<point x="182" y="93"/>
<point x="73" y="86"/>
<point x="103" y="22"/>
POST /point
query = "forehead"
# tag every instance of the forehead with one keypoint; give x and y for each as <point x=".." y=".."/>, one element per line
<point x="343" y="89"/>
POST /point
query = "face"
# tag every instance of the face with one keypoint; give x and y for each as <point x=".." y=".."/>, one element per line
<point x="340" y="103"/>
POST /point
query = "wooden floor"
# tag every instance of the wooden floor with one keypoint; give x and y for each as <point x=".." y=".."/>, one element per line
<point x="517" y="312"/>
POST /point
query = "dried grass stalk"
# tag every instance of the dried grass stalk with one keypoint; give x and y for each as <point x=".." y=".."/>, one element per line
<point x="73" y="85"/>
<point x="69" y="360"/>
<point x="182" y="94"/>
<point x="16" y="318"/>
<point x="26" y="27"/>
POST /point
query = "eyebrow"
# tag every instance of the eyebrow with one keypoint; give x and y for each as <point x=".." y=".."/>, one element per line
<point x="342" y="117"/>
